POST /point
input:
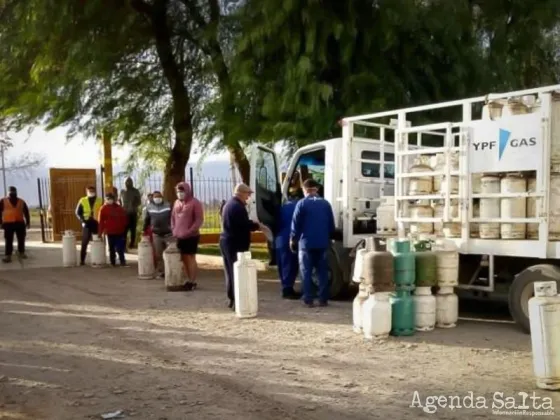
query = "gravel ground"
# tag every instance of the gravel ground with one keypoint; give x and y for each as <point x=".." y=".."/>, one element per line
<point x="77" y="343"/>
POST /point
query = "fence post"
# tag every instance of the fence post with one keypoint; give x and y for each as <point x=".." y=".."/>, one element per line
<point x="39" y="192"/>
<point x="191" y="176"/>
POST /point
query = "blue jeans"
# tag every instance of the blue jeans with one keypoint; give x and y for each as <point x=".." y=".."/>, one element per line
<point x="287" y="263"/>
<point x="310" y="259"/>
<point x="116" y="246"/>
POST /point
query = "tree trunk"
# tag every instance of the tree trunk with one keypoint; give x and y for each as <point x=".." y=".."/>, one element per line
<point x="182" y="110"/>
<point x="241" y="161"/>
<point x="174" y="172"/>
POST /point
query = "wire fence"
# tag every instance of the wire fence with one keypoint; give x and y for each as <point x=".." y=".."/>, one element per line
<point x="211" y="192"/>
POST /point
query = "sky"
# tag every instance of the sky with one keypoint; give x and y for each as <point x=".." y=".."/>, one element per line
<point x="77" y="153"/>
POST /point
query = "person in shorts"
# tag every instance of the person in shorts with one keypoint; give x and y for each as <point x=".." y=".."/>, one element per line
<point x="187" y="217"/>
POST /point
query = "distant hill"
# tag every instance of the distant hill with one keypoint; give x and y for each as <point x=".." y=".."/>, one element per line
<point x="212" y="182"/>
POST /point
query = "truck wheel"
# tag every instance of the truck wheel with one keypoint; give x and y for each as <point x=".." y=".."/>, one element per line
<point x="336" y="278"/>
<point x="521" y="290"/>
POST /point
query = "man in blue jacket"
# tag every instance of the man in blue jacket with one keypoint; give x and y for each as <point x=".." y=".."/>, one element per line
<point x="236" y="234"/>
<point x="311" y="233"/>
<point x="286" y="260"/>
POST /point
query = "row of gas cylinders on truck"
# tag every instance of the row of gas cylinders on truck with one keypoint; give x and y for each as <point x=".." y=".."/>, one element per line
<point x="395" y="293"/>
<point x="486" y="208"/>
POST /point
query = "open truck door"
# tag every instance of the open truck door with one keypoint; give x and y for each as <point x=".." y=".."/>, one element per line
<point x="265" y="181"/>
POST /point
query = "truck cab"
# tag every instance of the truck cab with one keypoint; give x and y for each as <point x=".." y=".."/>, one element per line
<point x="353" y="180"/>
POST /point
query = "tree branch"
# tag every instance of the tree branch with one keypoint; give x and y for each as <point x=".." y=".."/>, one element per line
<point x="141" y="6"/>
<point x="195" y="13"/>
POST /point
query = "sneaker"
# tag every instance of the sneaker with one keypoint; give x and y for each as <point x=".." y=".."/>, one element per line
<point x="308" y="304"/>
<point x="188" y="286"/>
<point x="23" y="256"/>
<point x="7" y="259"/>
<point x="323" y="304"/>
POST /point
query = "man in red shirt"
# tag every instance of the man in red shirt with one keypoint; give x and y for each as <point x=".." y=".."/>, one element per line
<point x="112" y="223"/>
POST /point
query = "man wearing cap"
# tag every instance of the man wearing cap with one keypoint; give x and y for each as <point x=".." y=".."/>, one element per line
<point x="310" y="237"/>
<point x="236" y="233"/>
<point x="87" y="212"/>
<point x="14" y="218"/>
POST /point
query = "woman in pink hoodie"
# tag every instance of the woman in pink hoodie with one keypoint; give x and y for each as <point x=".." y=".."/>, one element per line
<point x="186" y="219"/>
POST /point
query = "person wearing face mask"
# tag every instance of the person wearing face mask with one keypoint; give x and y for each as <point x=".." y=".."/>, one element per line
<point x="112" y="224"/>
<point x="158" y="219"/>
<point x="87" y="212"/>
<point x="236" y="234"/>
<point x="131" y="200"/>
<point x="187" y="217"/>
<point x="311" y="233"/>
<point x="14" y="218"/>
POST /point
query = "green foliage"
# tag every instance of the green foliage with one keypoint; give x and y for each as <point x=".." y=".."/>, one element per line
<point x="302" y="65"/>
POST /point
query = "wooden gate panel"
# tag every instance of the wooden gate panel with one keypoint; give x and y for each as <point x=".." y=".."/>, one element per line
<point x="67" y="187"/>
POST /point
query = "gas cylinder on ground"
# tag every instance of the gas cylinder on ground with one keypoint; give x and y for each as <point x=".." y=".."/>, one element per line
<point x="544" y="318"/>
<point x="69" y="253"/>
<point x="402" y="313"/>
<point x="404" y="264"/>
<point x="425" y="309"/>
<point x="357" y="306"/>
<point x="174" y="279"/>
<point x="245" y="286"/>
<point x="447" y="257"/>
<point x="378" y="269"/>
<point x="146" y="268"/>
<point x="425" y="269"/>
<point x="447" y="308"/>
<point x="98" y="256"/>
<point x="377" y="316"/>
<point x="358" y="272"/>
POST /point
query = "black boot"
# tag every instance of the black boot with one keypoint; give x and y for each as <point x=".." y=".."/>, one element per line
<point x="290" y="294"/>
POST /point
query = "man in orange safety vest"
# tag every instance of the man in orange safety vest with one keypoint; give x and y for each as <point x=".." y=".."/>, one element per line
<point x="14" y="217"/>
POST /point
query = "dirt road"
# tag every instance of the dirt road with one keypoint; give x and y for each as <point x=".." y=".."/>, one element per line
<point x="77" y="343"/>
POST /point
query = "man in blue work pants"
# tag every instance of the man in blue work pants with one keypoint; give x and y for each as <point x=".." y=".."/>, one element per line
<point x="286" y="260"/>
<point x="311" y="233"/>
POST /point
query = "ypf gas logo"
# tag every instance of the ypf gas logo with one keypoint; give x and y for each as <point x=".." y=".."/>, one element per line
<point x="505" y="140"/>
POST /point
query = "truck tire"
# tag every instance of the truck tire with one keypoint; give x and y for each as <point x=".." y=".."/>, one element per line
<point x="336" y="277"/>
<point x="521" y="290"/>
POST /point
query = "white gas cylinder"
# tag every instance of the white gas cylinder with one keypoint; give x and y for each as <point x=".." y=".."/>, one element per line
<point x="146" y="268"/>
<point x="489" y="207"/>
<point x="174" y="279"/>
<point x="544" y="318"/>
<point x="386" y="224"/>
<point x="512" y="208"/>
<point x="69" y="253"/>
<point x="98" y="256"/>
<point x="245" y="286"/>
<point x="377" y="316"/>
<point x="447" y="257"/>
<point x="425" y="309"/>
<point x="359" y="265"/>
<point x="447" y="308"/>
<point x="357" y="306"/>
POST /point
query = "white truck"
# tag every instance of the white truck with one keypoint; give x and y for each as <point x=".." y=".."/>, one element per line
<point x="485" y="175"/>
